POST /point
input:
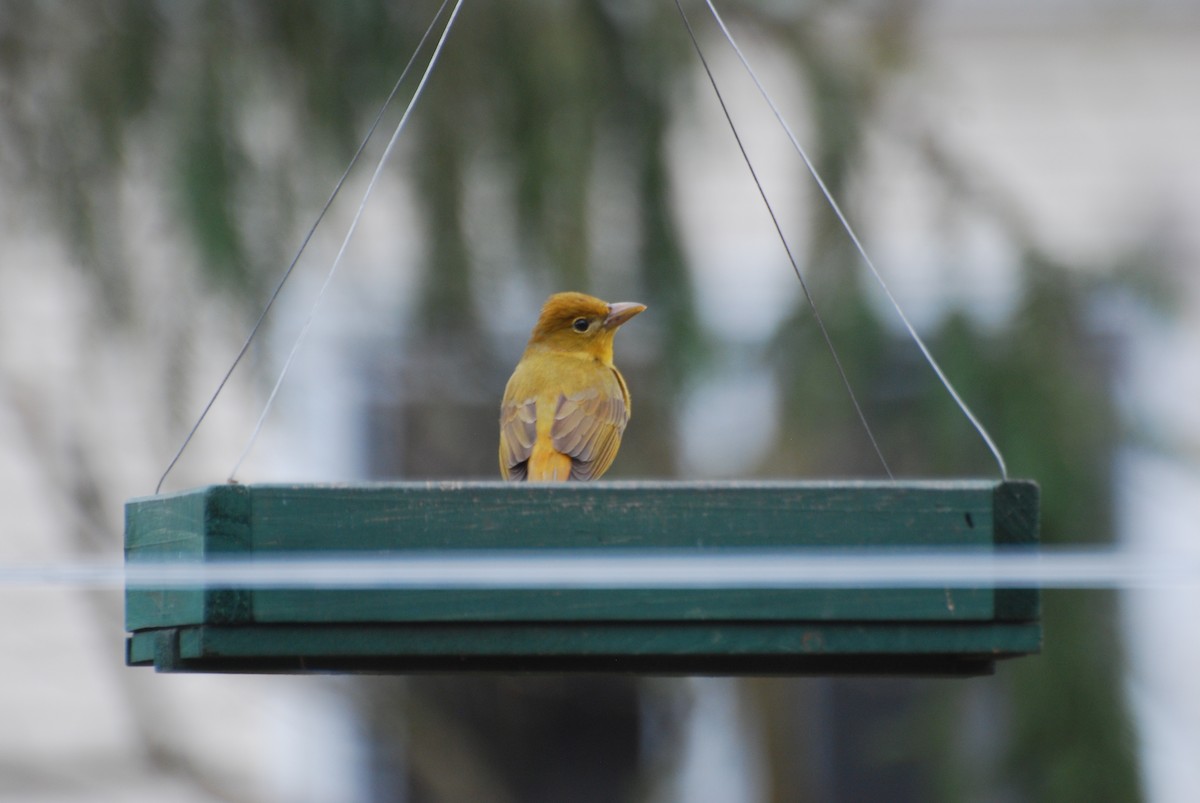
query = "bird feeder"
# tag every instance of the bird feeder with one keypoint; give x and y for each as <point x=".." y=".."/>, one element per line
<point x="724" y="629"/>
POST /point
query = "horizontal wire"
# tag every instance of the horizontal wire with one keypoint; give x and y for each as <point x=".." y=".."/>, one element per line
<point x="1065" y="568"/>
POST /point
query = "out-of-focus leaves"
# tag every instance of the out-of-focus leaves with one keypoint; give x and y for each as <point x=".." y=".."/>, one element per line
<point x="538" y="97"/>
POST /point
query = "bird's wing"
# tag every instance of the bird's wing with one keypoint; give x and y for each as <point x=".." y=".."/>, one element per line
<point x="518" y="429"/>
<point x="588" y="426"/>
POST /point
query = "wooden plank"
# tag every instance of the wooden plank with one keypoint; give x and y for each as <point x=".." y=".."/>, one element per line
<point x="707" y="517"/>
<point x="188" y="526"/>
<point x="495" y="515"/>
<point x="164" y="528"/>
<point x="659" y="647"/>
<point x="1015" y="525"/>
<point x="703" y="516"/>
<point x="508" y="605"/>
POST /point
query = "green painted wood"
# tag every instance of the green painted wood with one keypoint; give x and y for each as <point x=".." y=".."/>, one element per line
<point x="283" y="607"/>
<point x="530" y="629"/>
<point x="164" y="528"/>
<point x="733" y="648"/>
<point x="1016" y="526"/>
<point x="491" y="515"/>
<point x="188" y="526"/>
<point x="273" y="520"/>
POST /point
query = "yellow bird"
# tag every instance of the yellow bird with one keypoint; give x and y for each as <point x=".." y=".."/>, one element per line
<point x="566" y="404"/>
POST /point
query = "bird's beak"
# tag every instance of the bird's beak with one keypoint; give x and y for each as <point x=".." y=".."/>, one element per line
<point x="620" y="312"/>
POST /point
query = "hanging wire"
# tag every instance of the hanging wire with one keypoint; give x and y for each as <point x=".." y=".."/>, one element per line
<point x="337" y="261"/>
<point x="786" y="247"/>
<point x="303" y="245"/>
<point x="862" y="251"/>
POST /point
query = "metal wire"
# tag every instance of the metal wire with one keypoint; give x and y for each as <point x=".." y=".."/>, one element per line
<point x="862" y="251"/>
<point x="1110" y="568"/>
<point x="786" y="247"/>
<point x="300" y="251"/>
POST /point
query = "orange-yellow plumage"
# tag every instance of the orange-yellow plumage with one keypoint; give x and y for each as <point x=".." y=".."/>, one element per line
<point x="566" y="404"/>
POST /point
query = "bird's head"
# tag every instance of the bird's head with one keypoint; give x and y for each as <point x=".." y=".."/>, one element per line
<point x="579" y="322"/>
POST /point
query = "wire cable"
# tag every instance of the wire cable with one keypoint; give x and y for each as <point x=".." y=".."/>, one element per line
<point x="862" y="251"/>
<point x="300" y="251"/>
<point x="786" y="247"/>
<point x="337" y="261"/>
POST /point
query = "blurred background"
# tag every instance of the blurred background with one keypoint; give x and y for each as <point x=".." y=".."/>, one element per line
<point x="1025" y="175"/>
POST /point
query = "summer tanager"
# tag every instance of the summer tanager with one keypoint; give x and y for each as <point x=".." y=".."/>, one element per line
<point x="566" y="404"/>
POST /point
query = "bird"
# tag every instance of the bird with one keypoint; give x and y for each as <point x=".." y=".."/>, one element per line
<point x="566" y="405"/>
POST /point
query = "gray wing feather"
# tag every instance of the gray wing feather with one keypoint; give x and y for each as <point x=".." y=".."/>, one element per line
<point x="588" y="427"/>
<point x="518" y="423"/>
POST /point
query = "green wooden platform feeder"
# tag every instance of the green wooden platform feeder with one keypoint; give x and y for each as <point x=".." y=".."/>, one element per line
<point x="722" y="629"/>
<point x="718" y="630"/>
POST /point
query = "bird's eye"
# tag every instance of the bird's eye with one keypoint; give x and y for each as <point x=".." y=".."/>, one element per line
<point x="580" y="325"/>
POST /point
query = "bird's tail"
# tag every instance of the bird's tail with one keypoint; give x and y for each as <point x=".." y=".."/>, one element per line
<point x="548" y="465"/>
